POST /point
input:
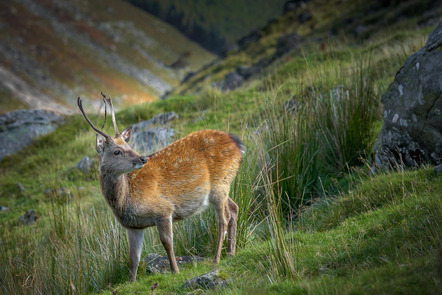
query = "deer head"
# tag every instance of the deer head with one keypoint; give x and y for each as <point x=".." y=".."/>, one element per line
<point x="116" y="156"/>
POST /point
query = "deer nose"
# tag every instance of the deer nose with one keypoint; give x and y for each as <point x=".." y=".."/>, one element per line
<point x="143" y="160"/>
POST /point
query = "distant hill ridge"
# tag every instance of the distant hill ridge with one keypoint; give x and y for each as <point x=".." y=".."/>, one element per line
<point x="53" y="51"/>
<point x="218" y="24"/>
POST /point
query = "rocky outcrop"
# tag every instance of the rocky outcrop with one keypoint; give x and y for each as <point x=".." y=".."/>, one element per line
<point x="187" y="77"/>
<point x="147" y="138"/>
<point x="19" y="128"/>
<point x="243" y="73"/>
<point x="160" y="119"/>
<point x="252" y="37"/>
<point x="412" y="129"/>
<point x="160" y="264"/>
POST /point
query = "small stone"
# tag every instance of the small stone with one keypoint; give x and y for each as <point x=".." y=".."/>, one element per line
<point x="3" y="208"/>
<point x="29" y="217"/>
<point x="207" y="281"/>
<point x="21" y="187"/>
<point x="60" y="192"/>
<point x="160" y="264"/>
<point x="232" y="81"/>
<point x="63" y="192"/>
<point x="85" y="165"/>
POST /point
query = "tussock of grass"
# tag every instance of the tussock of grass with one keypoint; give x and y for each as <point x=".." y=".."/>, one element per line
<point x="319" y="132"/>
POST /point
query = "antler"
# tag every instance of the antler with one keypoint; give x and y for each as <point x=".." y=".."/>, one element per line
<point x="80" y="106"/>
<point x="117" y="133"/>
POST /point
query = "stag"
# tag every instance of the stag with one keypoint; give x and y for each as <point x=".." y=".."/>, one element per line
<point x="172" y="184"/>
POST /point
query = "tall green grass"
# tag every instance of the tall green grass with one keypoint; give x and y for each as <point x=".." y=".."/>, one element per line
<point x="299" y="228"/>
<point x="291" y="158"/>
<point x="307" y="141"/>
<point x="320" y="132"/>
<point x="81" y="250"/>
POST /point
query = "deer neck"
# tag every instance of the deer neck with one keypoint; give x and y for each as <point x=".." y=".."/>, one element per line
<point x="115" y="190"/>
<point x="117" y="194"/>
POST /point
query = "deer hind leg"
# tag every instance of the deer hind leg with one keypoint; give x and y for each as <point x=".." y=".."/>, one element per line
<point x="219" y="202"/>
<point x="164" y="226"/>
<point x="135" y="246"/>
<point x="232" y="207"/>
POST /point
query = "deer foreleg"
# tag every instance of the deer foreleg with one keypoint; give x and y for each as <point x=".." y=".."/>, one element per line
<point x="135" y="246"/>
<point x="164" y="226"/>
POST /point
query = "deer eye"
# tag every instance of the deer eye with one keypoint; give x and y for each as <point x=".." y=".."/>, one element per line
<point x="117" y="152"/>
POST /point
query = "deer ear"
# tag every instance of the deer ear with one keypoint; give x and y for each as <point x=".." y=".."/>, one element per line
<point x="126" y="133"/>
<point x="99" y="146"/>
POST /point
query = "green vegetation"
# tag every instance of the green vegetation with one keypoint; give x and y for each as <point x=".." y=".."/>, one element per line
<point x="313" y="219"/>
<point x="331" y="30"/>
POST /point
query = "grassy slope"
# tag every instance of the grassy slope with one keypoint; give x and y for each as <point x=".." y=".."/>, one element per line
<point x="377" y="234"/>
<point x="133" y="35"/>
<point x="381" y="237"/>
<point x="326" y="31"/>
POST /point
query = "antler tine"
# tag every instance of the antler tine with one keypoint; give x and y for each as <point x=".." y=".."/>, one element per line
<point x="80" y="106"/>
<point x="117" y="133"/>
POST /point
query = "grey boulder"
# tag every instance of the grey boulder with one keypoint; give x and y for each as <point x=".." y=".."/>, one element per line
<point x="85" y="164"/>
<point x="147" y="141"/>
<point x="19" y="128"/>
<point x="146" y="138"/>
<point x="412" y="130"/>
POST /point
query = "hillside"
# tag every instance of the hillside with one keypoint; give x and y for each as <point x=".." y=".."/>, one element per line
<point x="216" y="25"/>
<point x="53" y="51"/>
<point x="313" y="216"/>
<point x="315" y="27"/>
